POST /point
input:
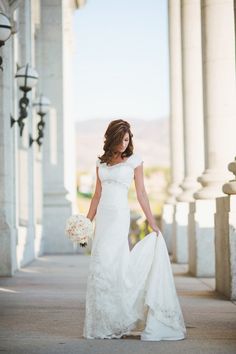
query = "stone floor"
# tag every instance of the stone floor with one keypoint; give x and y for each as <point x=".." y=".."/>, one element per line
<point x="42" y="311"/>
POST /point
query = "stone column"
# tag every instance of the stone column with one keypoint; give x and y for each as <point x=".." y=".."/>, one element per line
<point x="7" y="183"/>
<point x="176" y="100"/>
<point x="176" y="119"/>
<point x="193" y="121"/>
<point x="25" y="157"/>
<point x="220" y="125"/>
<point x="225" y="238"/>
<point x="220" y="93"/>
<point x="52" y="45"/>
<point x="192" y="97"/>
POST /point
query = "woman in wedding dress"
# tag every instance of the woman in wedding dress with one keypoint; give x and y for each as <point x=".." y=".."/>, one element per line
<point x="128" y="292"/>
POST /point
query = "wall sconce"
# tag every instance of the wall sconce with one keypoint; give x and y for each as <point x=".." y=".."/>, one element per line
<point x="5" y="32"/>
<point x="27" y="78"/>
<point x="42" y="105"/>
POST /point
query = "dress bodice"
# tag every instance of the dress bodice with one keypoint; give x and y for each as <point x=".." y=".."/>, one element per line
<point x="116" y="180"/>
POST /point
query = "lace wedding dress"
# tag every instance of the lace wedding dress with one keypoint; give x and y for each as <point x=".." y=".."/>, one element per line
<point x="128" y="292"/>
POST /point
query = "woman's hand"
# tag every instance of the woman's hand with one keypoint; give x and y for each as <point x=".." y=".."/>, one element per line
<point x="155" y="228"/>
<point x="143" y="198"/>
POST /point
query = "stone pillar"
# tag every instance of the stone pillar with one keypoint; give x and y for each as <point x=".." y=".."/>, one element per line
<point x="24" y="53"/>
<point x="201" y="240"/>
<point x="193" y="121"/>
<point x="7" y="183"/>
<point x="17" y="170"/>
<point x="225" y="238"/>
<point x="52" y="46"/>
<point x="220" y="125"/>
<point x="220" y="93"/>
<point x="176" y="100"/>
<point x="176" y="119"/>
<point x="192" y="97"/>
<point x="180" y="232"/>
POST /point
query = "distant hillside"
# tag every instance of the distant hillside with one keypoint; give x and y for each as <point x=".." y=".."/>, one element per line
<point x="151" y="141"/>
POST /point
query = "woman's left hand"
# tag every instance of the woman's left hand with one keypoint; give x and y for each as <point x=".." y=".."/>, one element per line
<point x="155" y="228"/>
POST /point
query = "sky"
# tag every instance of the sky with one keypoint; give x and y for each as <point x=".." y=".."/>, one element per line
<point x="121" y="60"/>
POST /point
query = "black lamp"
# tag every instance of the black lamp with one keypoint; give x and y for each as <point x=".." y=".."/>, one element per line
<point x="5" y="32"/>
<point x="27" y="78"/>
<point x="42" y="105"/>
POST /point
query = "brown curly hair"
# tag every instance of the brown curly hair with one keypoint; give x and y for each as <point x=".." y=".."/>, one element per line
<point x="113" y="137"/>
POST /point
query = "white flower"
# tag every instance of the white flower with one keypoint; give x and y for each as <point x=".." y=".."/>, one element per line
<point x="79" y="229"/>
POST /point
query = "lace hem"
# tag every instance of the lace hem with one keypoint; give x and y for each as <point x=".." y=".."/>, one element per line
<point x="116" y="334"/>
<point x="170" y="318"/>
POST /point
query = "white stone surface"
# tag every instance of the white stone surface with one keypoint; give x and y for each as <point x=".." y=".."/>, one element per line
<point x="26" y="158"/>
<point x="59" y="175"/>
<point x="230" y="187"/>
<point x="202" y="238"/>
<point x="167" y="219"/>
<point x="180" y="232"/>
<point x="7" y="183"/>
<point x="225" y="240"/>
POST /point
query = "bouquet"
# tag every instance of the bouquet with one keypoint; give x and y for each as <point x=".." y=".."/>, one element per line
<point x="79" y="229"/>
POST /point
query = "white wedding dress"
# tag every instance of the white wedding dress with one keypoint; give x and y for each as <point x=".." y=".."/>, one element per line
<point x="128" y="292"/>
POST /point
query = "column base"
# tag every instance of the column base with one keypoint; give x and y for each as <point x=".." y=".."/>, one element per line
<point x="209" y="192"/>
<point x="189" y="186"/>
<point x="174" y="190"/>
<point x="225" y="241"/>
<point x="212" y="182"/>
<point x="202" y="238"/>
<point x="180" y="233"/>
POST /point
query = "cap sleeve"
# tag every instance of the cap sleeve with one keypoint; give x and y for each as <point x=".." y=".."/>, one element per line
<point x="98" y="162"/>
<point x="137" y="161"/>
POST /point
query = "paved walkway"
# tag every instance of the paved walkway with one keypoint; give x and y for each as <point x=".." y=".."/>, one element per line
<point x="42" y="311"/>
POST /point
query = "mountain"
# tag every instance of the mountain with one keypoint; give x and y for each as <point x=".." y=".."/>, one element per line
<point x="150" y="139"/>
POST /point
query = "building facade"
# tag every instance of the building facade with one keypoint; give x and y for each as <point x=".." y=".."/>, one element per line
<point x="37" y="186"/>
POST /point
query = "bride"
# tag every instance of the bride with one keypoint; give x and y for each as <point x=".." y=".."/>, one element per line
<point x="128" y="292"/>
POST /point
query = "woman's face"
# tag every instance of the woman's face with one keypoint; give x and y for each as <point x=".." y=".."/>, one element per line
<point x="125" y="142"/>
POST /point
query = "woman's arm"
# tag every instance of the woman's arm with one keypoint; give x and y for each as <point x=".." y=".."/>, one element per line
<point x="143" y="198"/>
<point x="95" y="199"/>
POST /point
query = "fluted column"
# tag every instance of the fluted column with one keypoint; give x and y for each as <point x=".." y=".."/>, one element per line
<point x="58" y="167"/>
<point x="193" y="123"/>
<point x="220" y="145"/>
<point x="176" y="120"/>
<point x="220" y="94"/>
<point x="193" y="97"/>
<point x="176" y="100"/>
<point x="7" y="156"/>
